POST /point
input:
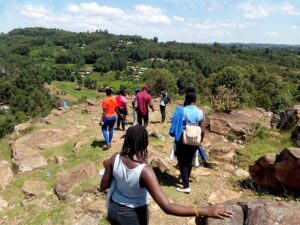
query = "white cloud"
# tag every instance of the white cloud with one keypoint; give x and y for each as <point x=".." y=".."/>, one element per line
<point x="294" y="27"/>
<point x="254" y="11"/>
<point x="271" y="34"/>
<point x="208" y="25"/>
<point x="178" y="19"/>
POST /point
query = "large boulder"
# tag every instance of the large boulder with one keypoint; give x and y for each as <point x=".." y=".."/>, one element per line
<point x="239" y="123"/>
<point x="259" y="212"/>
<point x="6" y="174"/>
<point x="25" y="160"/>
<point x="157" y="161"/>
<point x="34" y="187"/>
<point x="22" y="127"/>
<point x="96" y="208"/>
<point x="278" y="172"/>
<point x="288" y="118"/>
<point x="68" y="180"/>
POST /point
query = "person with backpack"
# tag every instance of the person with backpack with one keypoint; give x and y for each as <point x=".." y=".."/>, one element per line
<point x="164" y="100"/>
<point x="188" y="129"/>
<point x="131" y="182"/>
<point x="122" y="109"/>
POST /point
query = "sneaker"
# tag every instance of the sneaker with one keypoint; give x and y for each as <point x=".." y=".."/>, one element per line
<point x="209" y="165"/>
<point x="106" y="147"/>
<point x="184" y="190"/>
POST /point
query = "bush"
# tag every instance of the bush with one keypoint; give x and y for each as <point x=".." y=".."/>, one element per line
<point x="225" y="100"/>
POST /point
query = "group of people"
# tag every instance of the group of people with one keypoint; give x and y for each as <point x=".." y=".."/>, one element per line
<point x="131" y="181"/>
<point x="115" y="109"/>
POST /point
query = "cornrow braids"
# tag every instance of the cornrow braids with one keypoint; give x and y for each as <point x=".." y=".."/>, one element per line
<point x="136" y="143"/>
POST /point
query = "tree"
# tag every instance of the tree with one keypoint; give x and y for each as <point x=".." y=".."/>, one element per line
<point x="159" y="79"/>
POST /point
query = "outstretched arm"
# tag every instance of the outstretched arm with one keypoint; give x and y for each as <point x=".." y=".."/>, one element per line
<point x="149" y="181"/>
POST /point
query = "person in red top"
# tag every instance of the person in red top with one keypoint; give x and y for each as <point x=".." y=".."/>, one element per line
<point x="144" y="100"/>
<point x="122" y="109"/>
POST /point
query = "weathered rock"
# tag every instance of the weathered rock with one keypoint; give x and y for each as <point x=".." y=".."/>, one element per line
<point x="198" y="173"/>
<point x="6" y="174"/>
<point x="157" y="135"/>
<point x="57" y="112"/>
<point x="77" y="145"/>
<point x="242" y="173"/>
<point x="223" y="195"/>
<point x="34" y="187"/>
<point x="27" y="160"/>
<point x="87" y="220"/>
<point x="21" y="128"/>
<point x="60" y="160"/>
<point x="278" y="172"/>
<point x="239" y="123"/>
<point x="92" y="102"/>
<point x="288" y="118"/>
<point x="96" y="208"/>
<point x="158" y="162"/>
<point x="3" y="204"/>
<point x="259" y="212"/>
<point x="68" y="180"/>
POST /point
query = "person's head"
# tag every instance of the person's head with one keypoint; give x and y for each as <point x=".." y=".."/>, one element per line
<point x="145" y="87"/>
<point x="108" y="91"/>
<point x="136" y="143"/>
<point x="190" y="98"/>
<point x="163" y="92"/>
<point x="123" y="92"/>
<point x="137" y="91"/>
<point x="190" y="89"/>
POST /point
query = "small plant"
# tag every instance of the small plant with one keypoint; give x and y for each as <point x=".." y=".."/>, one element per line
<point x="225" y="100"/>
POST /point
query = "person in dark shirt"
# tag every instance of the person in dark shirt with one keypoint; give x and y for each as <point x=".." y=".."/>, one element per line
<point x="144" y="100"/>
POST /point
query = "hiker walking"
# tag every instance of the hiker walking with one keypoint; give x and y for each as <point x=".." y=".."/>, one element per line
<point x="108" y="119"/>
<point x="164" y="100"/>
<point x="134" y="107"/>
<point x="131" y="181"/>
<point x="122" y="109"/>
<point x="144" y="101"/>
<point x="188" y="129"/>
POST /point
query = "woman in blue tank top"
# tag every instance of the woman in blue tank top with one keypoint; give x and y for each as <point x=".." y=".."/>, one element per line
<point x="133" y="180"/>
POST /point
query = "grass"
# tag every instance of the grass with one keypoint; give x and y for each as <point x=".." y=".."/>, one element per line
<point x="5" y="152"/>
<point x="262" y="145"/>
<point x="69" y="88"/>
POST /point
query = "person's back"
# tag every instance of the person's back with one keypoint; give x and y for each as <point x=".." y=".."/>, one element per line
<point x="128" y="191"/>
<point x="109" y="104"/>
<point x="143" y="101"/>
<point x="192" y="114"/>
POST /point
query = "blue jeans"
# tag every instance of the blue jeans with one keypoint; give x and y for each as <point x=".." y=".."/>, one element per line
<point x="108" y="122"/>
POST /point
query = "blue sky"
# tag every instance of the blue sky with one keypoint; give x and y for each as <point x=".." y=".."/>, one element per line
<point x="202" y="21"/>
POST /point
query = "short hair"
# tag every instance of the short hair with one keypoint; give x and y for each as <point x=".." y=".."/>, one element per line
<point x="145" y="87"/>
<point x="108" y="91"/>
<point x="122" y="92"/>
<point x="136" y="143"/>
<point x="190" y="97"/>
<point x="190" y="89"/>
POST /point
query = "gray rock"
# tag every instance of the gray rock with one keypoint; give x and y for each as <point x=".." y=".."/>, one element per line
<point x="6" y="174"/>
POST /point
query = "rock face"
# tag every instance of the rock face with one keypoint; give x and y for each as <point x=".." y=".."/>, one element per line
<point x="66" y="181"/>
<point x="157" y="161"/>
<point x="259" y="212"/>
<point x="288" y="118"/>
<point x="278" y="172"/>
<point x="6" y="174"/>
<point x="96" y="208"/>
<point x="239" y="123"/>
<point x="21" y="128"/>
<point x="221" y="196"/>
<point x="3" y="204"/>
<point x="34" y="187"/>
<point x="296" y="136"/>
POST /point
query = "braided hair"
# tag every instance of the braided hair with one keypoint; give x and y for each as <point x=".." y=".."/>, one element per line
<point x="136" y="143"/>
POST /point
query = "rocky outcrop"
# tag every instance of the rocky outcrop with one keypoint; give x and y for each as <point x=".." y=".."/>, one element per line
<point x="278" y="172"/>
<point x="288" y="118"/>
<point x="218" y="147"/>
<point x="239" y="123"/>
<point x="22" y="128"/>
<point x="223" y="195"/>
<point x="296" y="136"/>
<point x="28" y="159"/>
<point x="68" y="180"/>
<point x="6" y="174"/>
<point x="34" y="187"/>
<point x="259" y="212"/>
<point x="96" y="208"/>
<point x="159" y="162"/>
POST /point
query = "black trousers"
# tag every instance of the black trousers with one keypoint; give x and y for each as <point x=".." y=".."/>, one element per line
<point x="185" y="155"/>
<point x="120" y="119"/>
<point x="163" y="113"/>
<point x="123" y="215"/>
<point x="143" y="117"/>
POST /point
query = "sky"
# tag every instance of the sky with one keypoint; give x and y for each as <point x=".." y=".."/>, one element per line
<point x="201" y="21"/>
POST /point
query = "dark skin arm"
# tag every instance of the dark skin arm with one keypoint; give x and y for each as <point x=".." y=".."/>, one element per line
<point x="201" y="124"/>
<point x="149" y="181"/>
<point x="107" y="177"/>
